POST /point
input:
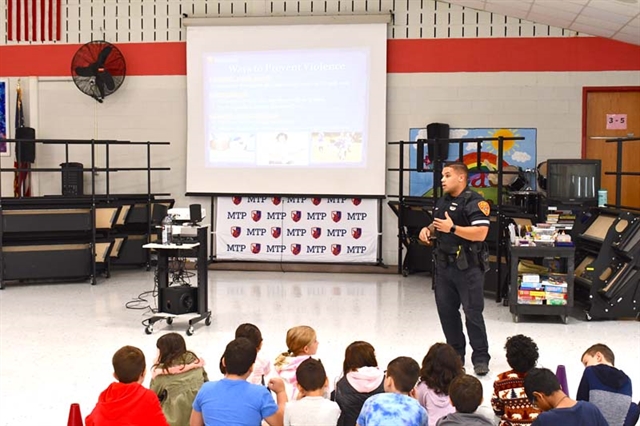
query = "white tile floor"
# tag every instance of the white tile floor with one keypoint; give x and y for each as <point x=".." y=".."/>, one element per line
<point x="56" y="340"/>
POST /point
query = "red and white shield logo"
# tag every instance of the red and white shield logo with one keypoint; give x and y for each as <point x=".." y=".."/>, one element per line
<point x="296" y="215"/>
<point x="276" y="231"/>
<point x="356" y="201"/>
<point x="236" y="231"/>
<point x="276" y="200"/>
<point x="336" y="249"/>
<point x="256" y="215"/>
<point x="296" y="248"/>
<point x="255" y="248"/>
<point x="336" y="216"/>
<point x="316" y="201"/>
<point x="316" y="232"/>
<point x="236" y="200"/>
<point x="356" y="232"/>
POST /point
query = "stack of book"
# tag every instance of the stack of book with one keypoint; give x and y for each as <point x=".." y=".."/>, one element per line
<point x="555" y="287"/>
<point x="542" y="290"/>
<point x="531" y="291"/>
<point x="552" y="218"/>
<point x="560" y="219"/>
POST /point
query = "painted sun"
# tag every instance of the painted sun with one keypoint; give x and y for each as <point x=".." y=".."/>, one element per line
<point x="507" y="145"/>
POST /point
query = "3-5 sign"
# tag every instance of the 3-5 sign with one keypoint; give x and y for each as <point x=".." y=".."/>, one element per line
<point x="616" y="121"/>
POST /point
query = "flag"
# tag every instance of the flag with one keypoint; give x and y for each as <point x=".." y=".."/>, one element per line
<point x="21" y="178"/>
<point x="33" y="20"/>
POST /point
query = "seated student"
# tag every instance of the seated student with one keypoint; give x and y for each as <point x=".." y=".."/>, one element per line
<point x="439" y="367"/>
<point x="233" y="400"/>
<point x="605" y="386"/>
<point x="302" y="343"/>
<point x="465" y="392"/>
<point x="361" y="378"/>
<point x="176" y="378"/>
<point x="312" y="409"/>
<point x="127" y="402"/>
<point x="395" y="407"/>
<point x="509" y="401"/>
<point x="543" y="389"/>
<point x="262" y="366"/>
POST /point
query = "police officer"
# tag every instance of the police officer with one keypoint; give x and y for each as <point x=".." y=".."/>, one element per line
<point x="460" y="226"/>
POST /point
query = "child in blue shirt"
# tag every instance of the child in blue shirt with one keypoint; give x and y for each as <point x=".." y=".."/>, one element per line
<point x="395" y="407"/>
<point x="233" y="400"/>
<point x="543" y="390"/>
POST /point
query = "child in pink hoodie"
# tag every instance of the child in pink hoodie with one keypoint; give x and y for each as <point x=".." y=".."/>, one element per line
<point x="361" y="378"/>
<point x="302" y="343"/>
<point x="439" y="367"/>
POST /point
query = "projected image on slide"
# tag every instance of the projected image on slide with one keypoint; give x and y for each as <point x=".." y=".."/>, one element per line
<point x="286" y="149"/>
<point x="336" y="147"/>
<point x="230" y="148"/>
<point x="305" y="107"/>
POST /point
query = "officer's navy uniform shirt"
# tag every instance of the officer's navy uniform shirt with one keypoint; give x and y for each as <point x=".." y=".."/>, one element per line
<point x="465" y="210"/>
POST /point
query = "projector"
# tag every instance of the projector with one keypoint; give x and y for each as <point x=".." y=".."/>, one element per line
<point x="185" y="215"/>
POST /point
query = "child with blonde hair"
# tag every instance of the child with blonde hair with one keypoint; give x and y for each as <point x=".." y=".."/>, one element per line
<point x="302" y="343"/>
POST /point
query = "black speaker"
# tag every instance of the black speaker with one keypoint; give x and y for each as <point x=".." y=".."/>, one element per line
<point x="178" y="300"/>
<point x="438" y="131"/>
<point x="26" y="150"/>
<point x="158" y="213"/>
<point x="72" y="179"/>
<point x="195" y="213"/>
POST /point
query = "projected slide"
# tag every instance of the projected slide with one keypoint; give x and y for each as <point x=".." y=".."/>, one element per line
<point x="286" y="108"/>
<point x="280" y="109"/>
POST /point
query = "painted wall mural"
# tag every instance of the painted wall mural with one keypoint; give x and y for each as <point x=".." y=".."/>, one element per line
<point x="519" y="154"/>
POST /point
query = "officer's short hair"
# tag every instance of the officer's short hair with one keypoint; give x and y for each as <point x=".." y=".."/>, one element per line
<point x="459" y="167"/>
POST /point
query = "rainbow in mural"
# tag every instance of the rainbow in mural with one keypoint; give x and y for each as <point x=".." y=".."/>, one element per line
<point x="520" y="153"/>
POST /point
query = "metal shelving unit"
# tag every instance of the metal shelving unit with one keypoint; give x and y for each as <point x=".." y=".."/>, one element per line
<point x="91" y="201"/>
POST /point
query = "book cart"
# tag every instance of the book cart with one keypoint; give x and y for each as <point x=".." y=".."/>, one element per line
<point x="547" y="297"/>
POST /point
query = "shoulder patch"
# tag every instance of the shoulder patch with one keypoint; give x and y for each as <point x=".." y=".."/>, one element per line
<point x="484" y="207"/>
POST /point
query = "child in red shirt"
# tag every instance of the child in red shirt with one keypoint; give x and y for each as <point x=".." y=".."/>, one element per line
<point x="126" y="402"/>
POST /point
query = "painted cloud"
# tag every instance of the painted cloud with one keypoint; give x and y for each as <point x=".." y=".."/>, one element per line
<point x="520" y="157"/>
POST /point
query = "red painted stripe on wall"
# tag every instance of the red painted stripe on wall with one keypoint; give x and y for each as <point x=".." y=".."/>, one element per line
<point x="55" y="59"/>
<point x="403" y="56"/>
<point x="511" y="54"/>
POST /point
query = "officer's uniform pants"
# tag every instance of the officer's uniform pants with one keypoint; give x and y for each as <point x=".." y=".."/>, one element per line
<point x="454" y="287"/>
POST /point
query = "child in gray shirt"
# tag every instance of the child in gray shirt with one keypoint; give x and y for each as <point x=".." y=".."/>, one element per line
<point x="311" y="409"/>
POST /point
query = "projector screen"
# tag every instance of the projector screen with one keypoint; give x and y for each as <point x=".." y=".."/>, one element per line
<point x="287" y="109"/>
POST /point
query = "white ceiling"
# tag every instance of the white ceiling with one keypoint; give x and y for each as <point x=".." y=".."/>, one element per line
<point x="616" y="19"/>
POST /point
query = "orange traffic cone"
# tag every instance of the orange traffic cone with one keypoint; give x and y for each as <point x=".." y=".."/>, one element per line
<point x="75" y="418"/>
